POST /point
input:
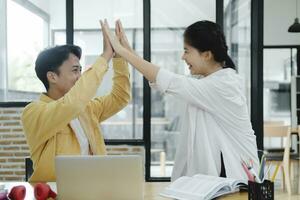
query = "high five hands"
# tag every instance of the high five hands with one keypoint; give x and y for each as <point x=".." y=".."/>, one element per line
<point x="118" y="42"/>
<point x="120" y="45"/>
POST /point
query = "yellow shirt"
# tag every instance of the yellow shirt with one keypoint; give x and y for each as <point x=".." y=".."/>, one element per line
<point x="46" y="121"/>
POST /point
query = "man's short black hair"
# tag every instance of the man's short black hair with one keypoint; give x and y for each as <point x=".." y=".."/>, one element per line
<point x="52" y="58"/>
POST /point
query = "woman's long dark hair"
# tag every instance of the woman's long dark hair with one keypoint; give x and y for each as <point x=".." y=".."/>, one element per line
<point x="208" y="36"/>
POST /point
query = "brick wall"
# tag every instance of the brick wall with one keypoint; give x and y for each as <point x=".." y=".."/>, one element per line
<point x="14" y="149"/>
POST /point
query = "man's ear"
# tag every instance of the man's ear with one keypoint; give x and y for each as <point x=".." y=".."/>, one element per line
<point x="52" y="77"/>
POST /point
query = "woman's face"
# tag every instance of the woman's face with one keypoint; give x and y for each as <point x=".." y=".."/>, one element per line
<point x="197" y="61"/>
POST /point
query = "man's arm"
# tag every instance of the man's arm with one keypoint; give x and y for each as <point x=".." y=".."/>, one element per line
<point x="106" y="106"/>
<point x="42" y="120"/>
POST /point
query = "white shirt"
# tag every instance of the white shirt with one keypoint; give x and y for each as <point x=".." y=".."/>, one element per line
<point x="80" y="135"/>
<point x="215" y="120"/>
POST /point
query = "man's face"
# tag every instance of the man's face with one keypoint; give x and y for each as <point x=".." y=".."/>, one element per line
<point x="69" y="73"/>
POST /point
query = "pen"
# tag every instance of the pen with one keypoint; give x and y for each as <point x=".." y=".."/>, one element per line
<point x="251" y="162"/>
<point x="254" y="174"/>
<point x="275" y="172"/>
<point x="264" y="177"/>
<point x="250" y="177"/>
<point x="262" y="167"/>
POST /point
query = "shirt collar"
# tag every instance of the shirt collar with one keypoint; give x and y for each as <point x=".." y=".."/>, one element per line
<point x="45" y="98"/>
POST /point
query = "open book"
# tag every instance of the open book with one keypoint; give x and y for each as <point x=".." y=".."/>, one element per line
<point x="202" y="187"/>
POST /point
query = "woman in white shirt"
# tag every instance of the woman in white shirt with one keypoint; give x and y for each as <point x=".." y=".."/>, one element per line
<point x="216" y="121"/>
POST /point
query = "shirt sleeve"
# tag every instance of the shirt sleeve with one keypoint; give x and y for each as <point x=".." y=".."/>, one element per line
<point x="198" y="92"/>
<point x="106" y="106"/>
<point x="42" y="120"/>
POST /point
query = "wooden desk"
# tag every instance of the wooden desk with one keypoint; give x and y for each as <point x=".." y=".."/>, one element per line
<point x="152" y="190"/>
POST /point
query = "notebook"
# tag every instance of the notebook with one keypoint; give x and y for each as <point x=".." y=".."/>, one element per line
<point x="202" y="187"/>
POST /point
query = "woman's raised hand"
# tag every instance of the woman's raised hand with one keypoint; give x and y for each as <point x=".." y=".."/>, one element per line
<point x="122" y="36"/>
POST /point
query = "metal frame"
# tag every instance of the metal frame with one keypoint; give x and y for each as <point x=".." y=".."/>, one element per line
<point x="133" y="142"/>
<point x="146" y="89"/>
<point x="3" y="47"/>
<point x="13" y="104"/>
<point x="280" y="46"/>
<point x="257" y="21"/>
<point x="220" y="13"/>
<point x="69" y="21"/>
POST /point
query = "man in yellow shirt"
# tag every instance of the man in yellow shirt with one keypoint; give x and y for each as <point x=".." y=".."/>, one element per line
<point x="65" y="120"/>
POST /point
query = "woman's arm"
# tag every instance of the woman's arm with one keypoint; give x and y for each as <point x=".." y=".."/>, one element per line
<point x="123" y="48"/>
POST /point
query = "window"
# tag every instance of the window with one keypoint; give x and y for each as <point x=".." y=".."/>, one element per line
<point x="278" y="68"/>
<point x="23" y="48"/>
<point x="28" y="32"/>
<point x="237" y="29"/>
<point x="128" y="123"/>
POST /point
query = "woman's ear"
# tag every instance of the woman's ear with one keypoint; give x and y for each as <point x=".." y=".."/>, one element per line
<point x="52" y="77"/>
<point x="207" y="55"/>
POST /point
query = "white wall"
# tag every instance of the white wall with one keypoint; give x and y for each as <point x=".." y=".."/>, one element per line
<point x="278" y="16"/>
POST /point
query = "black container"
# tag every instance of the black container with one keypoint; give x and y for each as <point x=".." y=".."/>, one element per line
<point x="261" y="191"/>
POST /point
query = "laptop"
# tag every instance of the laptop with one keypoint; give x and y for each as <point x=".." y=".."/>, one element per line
<point x="99" y="177"/>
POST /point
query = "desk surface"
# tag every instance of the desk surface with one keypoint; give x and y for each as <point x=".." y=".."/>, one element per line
<point x="152" y="190"/>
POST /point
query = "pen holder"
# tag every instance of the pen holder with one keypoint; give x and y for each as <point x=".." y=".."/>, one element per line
<point x="261" y="191"/>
